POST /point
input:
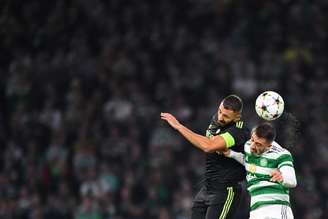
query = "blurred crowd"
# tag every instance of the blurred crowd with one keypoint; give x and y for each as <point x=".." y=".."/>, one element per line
<point x="83" y="83"/>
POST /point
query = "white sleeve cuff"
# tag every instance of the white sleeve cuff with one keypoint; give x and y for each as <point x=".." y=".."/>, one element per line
<point x="240" y="157"/>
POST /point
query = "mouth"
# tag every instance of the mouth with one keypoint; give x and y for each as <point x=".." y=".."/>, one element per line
<point x="221" y="122"/>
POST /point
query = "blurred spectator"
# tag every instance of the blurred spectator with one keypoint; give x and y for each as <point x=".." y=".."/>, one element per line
<point x="83" y="83"/>
<point x="89" y="209"/>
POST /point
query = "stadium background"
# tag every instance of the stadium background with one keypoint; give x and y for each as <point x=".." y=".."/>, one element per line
<point x="83" y="83"/>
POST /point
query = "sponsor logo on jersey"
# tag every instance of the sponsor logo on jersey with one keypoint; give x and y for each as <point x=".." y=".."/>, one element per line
<point x="249" y="177"/>
<point x="252" y="168"/>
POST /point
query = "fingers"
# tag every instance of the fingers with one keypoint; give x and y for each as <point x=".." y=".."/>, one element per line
<point x="276" y="176"/>
<point x="226" y="153"/>
<point x="166" y="116"/>
<point x="171" y="120"/>
<point x="274" y="179"/>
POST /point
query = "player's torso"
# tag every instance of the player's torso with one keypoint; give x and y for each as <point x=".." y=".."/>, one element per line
<point x="259" y="169"/>
<point x="220" y="170"/>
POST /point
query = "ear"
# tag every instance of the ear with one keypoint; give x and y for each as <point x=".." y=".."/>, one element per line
<point x="237" y="118"/>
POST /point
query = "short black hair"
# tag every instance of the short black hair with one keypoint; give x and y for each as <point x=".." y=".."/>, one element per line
<point x="266" y="131"/>
<point x="233" y="102"/>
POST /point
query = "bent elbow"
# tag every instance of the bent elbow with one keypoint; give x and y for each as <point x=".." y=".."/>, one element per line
<point x="294" y="184"/>
<point x="206" y="147"/>
<point x="208" y="150"/>
<point x="290" y="184"/>
<point x="212" y="146"/>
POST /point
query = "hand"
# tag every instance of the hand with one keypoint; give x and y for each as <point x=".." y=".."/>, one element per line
<point x="171" y="120"/>
<point x="226" y="153"/>
<point x="276" y="176"/>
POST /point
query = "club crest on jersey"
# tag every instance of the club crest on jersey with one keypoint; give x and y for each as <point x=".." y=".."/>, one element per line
<point x="208" y="134"/>
<point x="252" y="168"/>
<point x="263" y="162"/>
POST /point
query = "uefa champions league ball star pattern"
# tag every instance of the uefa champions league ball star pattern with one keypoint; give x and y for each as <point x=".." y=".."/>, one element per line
<point x="269" y="105"/>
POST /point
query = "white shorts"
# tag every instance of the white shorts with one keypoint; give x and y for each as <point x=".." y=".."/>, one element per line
<point x="272" y="212"/>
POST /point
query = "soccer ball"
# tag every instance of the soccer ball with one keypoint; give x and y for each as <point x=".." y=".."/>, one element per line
<point x="269" y="105"/>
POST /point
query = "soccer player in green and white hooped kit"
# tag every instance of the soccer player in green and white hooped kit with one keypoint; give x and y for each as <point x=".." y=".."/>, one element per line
<point x="270" y="174"/>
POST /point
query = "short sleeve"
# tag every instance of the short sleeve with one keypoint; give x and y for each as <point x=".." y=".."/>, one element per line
<point x="235" y="135"/>
<point x="229" y="139"/>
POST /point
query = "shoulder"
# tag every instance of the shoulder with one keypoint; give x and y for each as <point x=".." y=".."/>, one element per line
<point x="278" y="152"/>
<point x="238" y="127"/>
<point x="277" y="148"/>
<point x="238" y="130"/>
<point x="236" y="134"/>
<point x="240" y="124"/>
<point x="283" y="156"/>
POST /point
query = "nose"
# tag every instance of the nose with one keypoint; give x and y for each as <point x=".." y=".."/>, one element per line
<point x="221" y="118"/>
<point x="253" y="148"/>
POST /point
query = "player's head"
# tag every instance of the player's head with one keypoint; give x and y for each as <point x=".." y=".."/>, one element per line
<point x="230" y="109"/>
<point x="262" y="137"/>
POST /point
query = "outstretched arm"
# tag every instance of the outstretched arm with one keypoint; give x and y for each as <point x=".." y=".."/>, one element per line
<point x="216" y="143"/>
<point x="240" y="157"/>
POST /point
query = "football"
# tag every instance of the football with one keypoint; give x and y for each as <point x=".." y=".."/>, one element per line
<point x="269" y="105"/>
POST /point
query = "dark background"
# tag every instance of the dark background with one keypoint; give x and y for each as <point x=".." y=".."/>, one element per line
<point x="83" y="83"/>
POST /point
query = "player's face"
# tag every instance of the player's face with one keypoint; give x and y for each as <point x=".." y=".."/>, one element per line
<point x="259" y="145"/>
<point x="226" y="116"/>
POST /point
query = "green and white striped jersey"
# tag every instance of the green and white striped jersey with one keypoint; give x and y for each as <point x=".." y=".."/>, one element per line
<point x="259" y="169"/>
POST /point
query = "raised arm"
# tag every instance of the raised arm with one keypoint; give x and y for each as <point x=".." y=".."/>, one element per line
<point x="216" y="143"/>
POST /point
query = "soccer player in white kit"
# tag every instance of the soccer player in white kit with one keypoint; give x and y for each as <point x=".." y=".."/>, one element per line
<point x="270" y="174"/>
